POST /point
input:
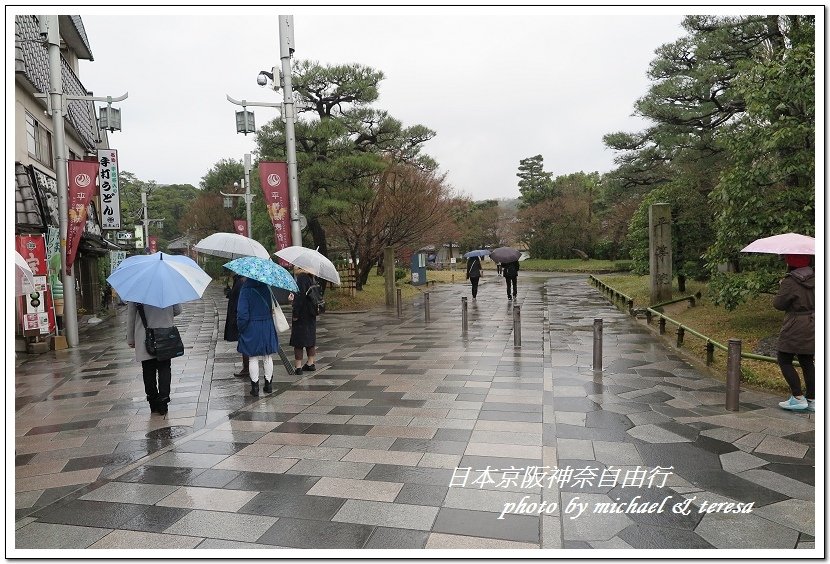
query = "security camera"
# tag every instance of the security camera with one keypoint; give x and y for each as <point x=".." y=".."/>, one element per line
<point x="261" y="79"/>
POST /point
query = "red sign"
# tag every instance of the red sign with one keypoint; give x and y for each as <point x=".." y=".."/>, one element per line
<point x="37" y="314"/>
<point x="82" y="187"/>
<point x="273" y="177"/>
<point x="240" y="226"/>
<point x="154" y="243"/>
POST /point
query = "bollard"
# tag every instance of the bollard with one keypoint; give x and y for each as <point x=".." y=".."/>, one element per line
<point x="464" y="315"/>
<point x="681" y="332"/>
<point x="662" y="325"/>
<point x="630" y="307"/>
<point x="733" y="375"/>
<point x="517" y="326"/>
<point x="426" y="307"/>
<point x="597" y="344"/>
<point x="398" y="301"/>
<point x="648" y="317"/>
<point x="710" y="353"/>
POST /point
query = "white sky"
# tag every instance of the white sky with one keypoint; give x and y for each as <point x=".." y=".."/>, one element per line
<point x="497" y="85"/>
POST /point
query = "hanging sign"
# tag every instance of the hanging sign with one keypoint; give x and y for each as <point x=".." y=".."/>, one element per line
<point x="82" y="187"/>
<point x="273" y="177"/>
<point x="110" y="199"/>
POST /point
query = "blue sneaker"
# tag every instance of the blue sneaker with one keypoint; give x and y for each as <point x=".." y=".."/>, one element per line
<point x="794" y="404"/>
<point x="811" y="405"/>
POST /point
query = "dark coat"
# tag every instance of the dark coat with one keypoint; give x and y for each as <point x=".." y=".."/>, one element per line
<point x="796" y="296"/>
<point x="231" y="327"/>
<point x="156" y="317"/>
<point x="473" y="267"/>
<point x="257" y="335"/>
<point x="303" y="319"/>
<point x="510" y="269"/>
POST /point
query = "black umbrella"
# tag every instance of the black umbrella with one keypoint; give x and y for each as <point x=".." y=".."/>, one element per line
<point x="505" y="255"/>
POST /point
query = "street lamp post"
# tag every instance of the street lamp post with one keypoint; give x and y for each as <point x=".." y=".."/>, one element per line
<point x="248" y="197"/>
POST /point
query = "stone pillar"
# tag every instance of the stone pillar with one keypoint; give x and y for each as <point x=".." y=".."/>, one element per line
<point x="389" y="274"/>
<point x="659" y="252"/>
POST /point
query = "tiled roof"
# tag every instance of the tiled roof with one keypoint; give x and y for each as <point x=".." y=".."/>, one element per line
<point x="27" y="208"/>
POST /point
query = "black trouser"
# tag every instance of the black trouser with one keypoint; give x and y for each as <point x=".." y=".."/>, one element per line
<point x="148" y="370"/>
<point x="511" y="280"/>
<point x="474" y="284"/>
<point x="785" y="361"/>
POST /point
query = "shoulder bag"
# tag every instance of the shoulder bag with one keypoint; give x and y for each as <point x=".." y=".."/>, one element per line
<point x="163" y="343"/>
<point x="280" y="322"/>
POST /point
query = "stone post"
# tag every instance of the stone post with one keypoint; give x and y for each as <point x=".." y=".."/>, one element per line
<point x="659" y="251"/>
<point x="389" y="274"/>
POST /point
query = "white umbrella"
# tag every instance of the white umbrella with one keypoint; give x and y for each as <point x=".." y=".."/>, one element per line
<point x="24" y="281"/>
<point x="312" y="261"/>
<point x="231" y="245"/>
<point x="785" y="244"/>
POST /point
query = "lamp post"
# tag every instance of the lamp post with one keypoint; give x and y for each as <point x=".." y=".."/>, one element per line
<point x="246" y="182"/>
<point x="55" y="107"/>
<point x="245" y="120"/>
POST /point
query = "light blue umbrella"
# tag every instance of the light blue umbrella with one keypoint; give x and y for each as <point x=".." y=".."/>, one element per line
<point x="159" y="279"/>
<point x="265" y="271"/>
<point x="477" y="253"/>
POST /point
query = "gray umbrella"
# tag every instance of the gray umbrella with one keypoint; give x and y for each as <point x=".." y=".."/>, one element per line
<point x="505" y="255"/>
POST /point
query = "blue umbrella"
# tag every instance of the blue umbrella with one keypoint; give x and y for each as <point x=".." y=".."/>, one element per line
<point x="265" y="271"/>
<point x="159" y="279"/>
<point x="477" y="253"/>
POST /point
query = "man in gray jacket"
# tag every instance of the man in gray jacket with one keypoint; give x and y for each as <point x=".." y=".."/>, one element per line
<point x="158" y="394"/>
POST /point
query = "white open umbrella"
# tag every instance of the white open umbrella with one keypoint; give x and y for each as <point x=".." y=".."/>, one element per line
<point x="24" y="281"/>
<point x="312" y="261"/>
<point x="784" y="244"/>
<point x="231" y="245"/>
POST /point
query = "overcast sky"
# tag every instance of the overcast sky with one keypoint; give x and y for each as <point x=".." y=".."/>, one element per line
<point x="497" y="85"/>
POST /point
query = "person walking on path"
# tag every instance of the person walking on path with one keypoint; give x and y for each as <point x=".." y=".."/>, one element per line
<point x="257" y="334"/>
<point x="474" y="273"/>
<point x="231" y="327"/>
<point x="510" y="270"/>
<point x="158" y="392"/>
<point x="303" y="324"/>
<point x="796" y="296"/>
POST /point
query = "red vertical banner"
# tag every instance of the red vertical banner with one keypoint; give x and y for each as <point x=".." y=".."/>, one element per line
<point x="37" y="315"/>
<point x="82" y="187"/>
<point x="154" y="243"/>
<point x="273" y="177"/>
<point x="240" y="226"/>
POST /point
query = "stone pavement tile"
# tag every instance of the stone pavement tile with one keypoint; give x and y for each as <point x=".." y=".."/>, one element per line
<point x="88" y="513"/>
<point x="642" y="536"/>
<point x="50" y="467"/>
<point x="738" y="461"/>
<point x="394" y="515"/>
<point x="48" y="535"/>
<point x="187" y="460"/>
<point x="212" y="499"/>
<point x="256" y="426"/>
<point x="434" y="460"/>
<point x="508" y="426"/>
<point x="730" y="530"/>
<point x="445" y="541"/>
<point x="653" y="434"/>
<point x="574" y="448"/>
<point x="428" y="446"/>
<point x="259" y="449"/>
<point x="781" y="447"/>
<point x="222" y="525"/>
<point x="615" y="543"/>
<point x="724" y="434"/>
<point x="503" y="450"/>
<point x="616" y="454"/>
<point x="346" y="441"/>
<point x="793" y="513"/>
<point x="232" y="436"/>
<point x="590" y="526"/>
<point x="486" y="500"/>
<point x="551" y="531"/>
<point x="420" y="494"/>
<point x="23" y="522"/>
<point x="570" y="418"/>
<point x="261" y="482"/>
<point x="356" y="489"/>
<point x="508" y="437"/>
<point x="212" y="478"/>
<point x="279" y="504"/>
<point x="291" y="439"/>
<point x="145" y="541"/>
<point x="374" y="456"/>
<point x="46" y="481"/>
<point x="432" y="423"/>
<point x="154" y="519"/>
<point x="391" y="538"/>
<point x="49" y="445"/>
<point x="308" y="533"/>
<point x="23" y="500"/>
<point x="268" y="464"/>
<point x="320" y="418"/>
<point x="414" y="432"/>
<point x="311" y="452"/>
<point x="174" y="476"/>
<point x="748" y="442"/>
<point x="332" y="468"/>
<point x="122" y="492"/>
<point x="519" y="528"/>
<point x="220" y="544"/>
<point x="781" y="484"/>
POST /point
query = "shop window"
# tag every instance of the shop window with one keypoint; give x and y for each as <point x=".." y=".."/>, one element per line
<point x="39" y="142"/>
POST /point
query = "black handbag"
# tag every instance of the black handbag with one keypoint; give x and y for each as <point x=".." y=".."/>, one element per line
<point x="163" y="343"/>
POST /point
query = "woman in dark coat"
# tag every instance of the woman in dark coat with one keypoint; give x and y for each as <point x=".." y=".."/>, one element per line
<point x="474" y="273"/>
<point x="303" y="324"/>
<point x="257" y="334"/>
<point x="231" y="328"/>
<point x="796" y="296"/>
<point x="158" y="392"/>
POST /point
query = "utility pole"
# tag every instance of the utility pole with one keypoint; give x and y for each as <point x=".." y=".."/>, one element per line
<point x="286" y="50"/>
<point x="145" y="221"/>
<point x="248" y="194"/>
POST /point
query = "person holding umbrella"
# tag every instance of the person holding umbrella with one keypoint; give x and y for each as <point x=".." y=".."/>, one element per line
<point x="257" y="335"/>
<point x="508" y="257"/>
<point x="231" y="328"/>
<point x="796" y="296"/>
<point x="474" y="268"/>
<point x="303" y="323"/>
<point x="155" y="372"/>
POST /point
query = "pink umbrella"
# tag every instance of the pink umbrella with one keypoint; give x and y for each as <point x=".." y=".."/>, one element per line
<point x="785" y="244"/>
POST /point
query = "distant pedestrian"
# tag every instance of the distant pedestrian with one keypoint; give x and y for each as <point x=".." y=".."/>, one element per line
<point x="474" y="273"/>
<point x="158" y="393"/>
<point x="257" y="334"/>
<point x="796" y="296"/>
<point x="303" y="324"/>
<point x="498" y="268"/>
<point x="510" y="271"/>
<point x="231" y="327"/>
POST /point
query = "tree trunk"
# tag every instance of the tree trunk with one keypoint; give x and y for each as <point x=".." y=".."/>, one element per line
<point x="381" y="267"/>
<point x="681" y="282"/>
<point x="363" y="275"/>
<point x="318" y="233"/>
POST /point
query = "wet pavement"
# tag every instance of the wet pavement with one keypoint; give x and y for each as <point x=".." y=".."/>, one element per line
<point x="410" y="435"/>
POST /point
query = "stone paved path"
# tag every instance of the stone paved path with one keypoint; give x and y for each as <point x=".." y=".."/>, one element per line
<point x="409" y="435"/>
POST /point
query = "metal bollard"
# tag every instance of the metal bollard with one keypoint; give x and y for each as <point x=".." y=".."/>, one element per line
<point x="517" y="326"/>
<point x="464" y="315"/>
<point x="426" y="307"/>
<point x="398" y="302"/>
<point x="597" y="344"/>
<point x="662" y="325"/>
<point x="681" y="332"/>
<point x="733" y="375"/>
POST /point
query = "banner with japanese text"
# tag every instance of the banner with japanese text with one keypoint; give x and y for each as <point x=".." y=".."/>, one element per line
<point x="273" y="177"/>
<point x="240" y="226"/>
<point x="37" y="314"/>
<point x="110" y="199"/>
<point x="82" y="187"/>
